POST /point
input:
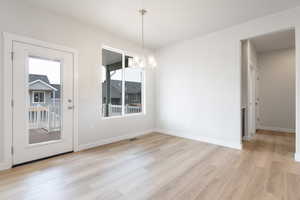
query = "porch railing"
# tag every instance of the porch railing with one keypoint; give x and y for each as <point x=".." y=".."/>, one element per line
<point x="133" y="109"/>
<point x="45" y="117"/>
<point x="115" y="110"/>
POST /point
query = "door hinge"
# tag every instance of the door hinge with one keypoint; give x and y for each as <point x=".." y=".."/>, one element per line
<point x="12" y="55"/>
<point x="12" y="103"/>
<point x="12" y="150"/>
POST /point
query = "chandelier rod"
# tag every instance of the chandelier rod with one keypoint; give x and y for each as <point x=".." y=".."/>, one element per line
<point x="143" y="12"/>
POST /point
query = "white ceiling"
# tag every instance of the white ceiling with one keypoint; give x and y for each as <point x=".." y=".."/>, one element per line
<point x="168" y="21"/>
<point x="274" y="41"/>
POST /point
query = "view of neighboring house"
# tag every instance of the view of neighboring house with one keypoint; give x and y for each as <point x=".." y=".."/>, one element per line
<point x="44" y="110"/>
<point x="113" y="105"/>
<point x="133" y="96"/>
<point x="41" y="91"/>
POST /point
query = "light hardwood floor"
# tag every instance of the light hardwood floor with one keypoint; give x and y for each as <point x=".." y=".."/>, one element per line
<point x="161" y="167"/>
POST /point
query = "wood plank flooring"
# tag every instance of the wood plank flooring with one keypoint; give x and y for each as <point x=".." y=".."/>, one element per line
<point x="162" y="167"/>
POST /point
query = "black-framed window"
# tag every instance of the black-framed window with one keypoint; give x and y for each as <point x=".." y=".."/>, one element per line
<point x="38" y="97"/>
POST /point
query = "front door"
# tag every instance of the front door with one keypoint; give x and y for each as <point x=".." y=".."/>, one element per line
<point x="43" y="102"/>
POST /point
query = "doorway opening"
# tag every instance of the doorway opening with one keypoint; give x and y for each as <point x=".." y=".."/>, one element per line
<point x="269" y="88"/>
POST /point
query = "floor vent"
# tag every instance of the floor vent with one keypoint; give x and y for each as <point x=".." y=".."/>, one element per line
<point x="133" y="139"/>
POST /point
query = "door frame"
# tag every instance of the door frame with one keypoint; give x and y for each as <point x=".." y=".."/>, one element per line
<point x="297" y="81"/>
<point x="251" y="99"/>
<point x="8" y="40"/>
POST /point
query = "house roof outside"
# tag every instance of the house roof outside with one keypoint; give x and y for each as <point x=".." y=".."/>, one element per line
<point x="39" y="85"/>
<point x="34" y="77"/>
<point x="41" y="82"/>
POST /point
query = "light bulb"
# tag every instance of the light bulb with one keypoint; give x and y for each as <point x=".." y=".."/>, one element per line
<point x="130" y="62"/>
<point x="143" y="62"/>
<point x="152" y="62"/>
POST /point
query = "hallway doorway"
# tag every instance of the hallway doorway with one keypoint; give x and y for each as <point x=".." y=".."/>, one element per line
<point x="269" y="85"/>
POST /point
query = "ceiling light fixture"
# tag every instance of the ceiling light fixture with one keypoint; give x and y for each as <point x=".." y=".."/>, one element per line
<point x="143" y="61"/>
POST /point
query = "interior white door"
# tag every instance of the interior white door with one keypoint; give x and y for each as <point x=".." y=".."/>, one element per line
<point x="43" y="102"/>
<point x="251" y="100"/>
<point x="257" y="99"/>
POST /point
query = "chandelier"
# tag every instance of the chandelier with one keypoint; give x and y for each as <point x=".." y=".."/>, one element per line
<point x="143" y="60"/>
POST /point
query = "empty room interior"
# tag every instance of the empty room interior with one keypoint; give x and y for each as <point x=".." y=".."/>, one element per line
<point x="149" y="100"/>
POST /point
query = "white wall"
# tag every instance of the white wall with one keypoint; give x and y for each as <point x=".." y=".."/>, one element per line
<point x="244" y="65"/>
<point x="277" y="90"/>
<point x="252" y="54"/>
<point x="249" y="58"/>
<point x="31" y="22"/>
<point x="199" y="81"/>
<point x="252" y="62"/>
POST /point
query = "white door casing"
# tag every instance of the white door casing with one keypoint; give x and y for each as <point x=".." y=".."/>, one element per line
<point x="23" y="151"/>
<point x="251" y="100"/>
<point x="8" y="58"/>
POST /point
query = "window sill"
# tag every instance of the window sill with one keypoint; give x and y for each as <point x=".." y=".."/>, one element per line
<point x="123" y="116"/>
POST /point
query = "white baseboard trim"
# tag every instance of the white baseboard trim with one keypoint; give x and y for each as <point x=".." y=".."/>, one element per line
<point x="268" y="128"/>
<point x="297" y="157"/>
<point x="230" y="144"/>
<point x="4" y="166"/>
<point x="112" y="140"/>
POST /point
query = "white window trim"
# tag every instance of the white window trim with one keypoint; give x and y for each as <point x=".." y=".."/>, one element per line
<point x="143" y="99"/>
<point x="34" y="102"/>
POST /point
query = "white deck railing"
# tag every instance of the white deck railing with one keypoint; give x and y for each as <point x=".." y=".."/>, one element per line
<point x="133" y="109"/>
<point x="49" y="117"/>
<point x="45" y="117"/>
<point x="115" y="110"/>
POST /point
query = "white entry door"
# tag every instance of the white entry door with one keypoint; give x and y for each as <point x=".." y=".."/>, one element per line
<point x="42" y="102"/>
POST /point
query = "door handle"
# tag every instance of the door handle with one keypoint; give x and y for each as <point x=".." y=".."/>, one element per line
<point x="70" y="107"/>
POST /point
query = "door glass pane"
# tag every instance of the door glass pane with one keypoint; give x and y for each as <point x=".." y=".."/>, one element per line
<point x="133" y="88"/>
<point x="44" y="95"/>
<point x="111" y="83"/>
